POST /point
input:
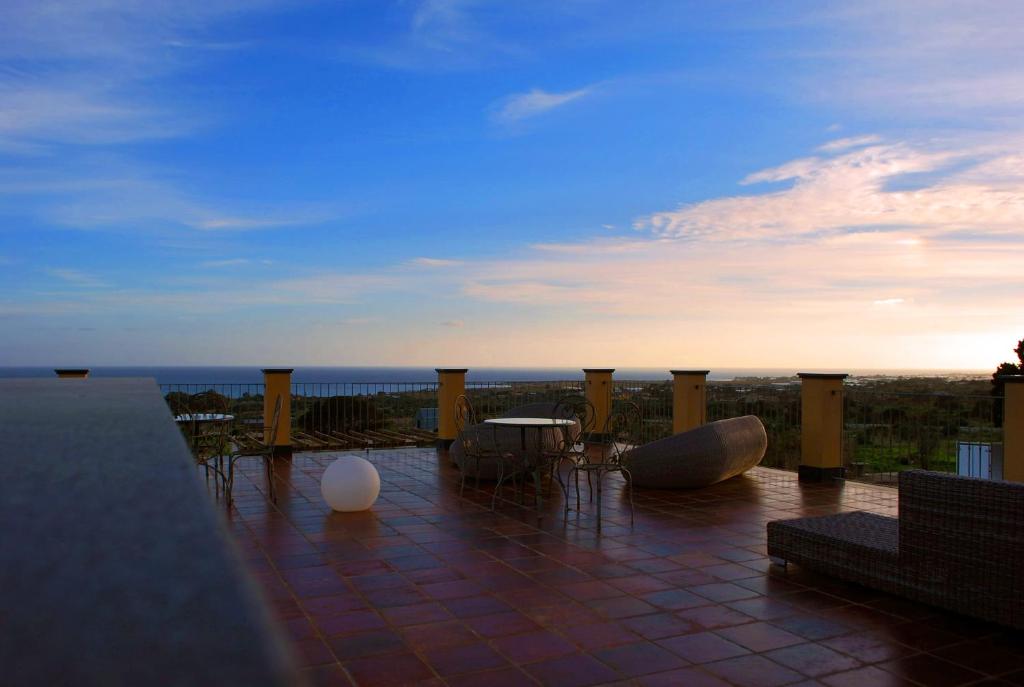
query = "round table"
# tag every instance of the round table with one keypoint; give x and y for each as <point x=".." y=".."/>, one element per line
<point x="524" y="423"/>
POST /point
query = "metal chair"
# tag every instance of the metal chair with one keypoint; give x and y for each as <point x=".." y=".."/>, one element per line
<point x="210" y="439"/>
<point x="470" y="435"/>
<point x="265" y="451"/>
<point x="621" y="434"/>
<point x="572" y="443"/>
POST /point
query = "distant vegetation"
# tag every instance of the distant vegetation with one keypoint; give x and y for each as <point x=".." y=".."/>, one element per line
<point x="1016" y="368"/>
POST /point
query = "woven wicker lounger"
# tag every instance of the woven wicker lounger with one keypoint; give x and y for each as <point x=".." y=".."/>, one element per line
<point x="958" y="544"/>
<point x="699" y="457"/>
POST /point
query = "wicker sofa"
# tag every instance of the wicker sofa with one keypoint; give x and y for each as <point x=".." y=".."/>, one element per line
<point x="958" y="543"/>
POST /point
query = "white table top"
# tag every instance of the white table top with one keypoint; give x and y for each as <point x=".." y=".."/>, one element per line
<point x="529" y="422"/>
<point x="204" y="417"/>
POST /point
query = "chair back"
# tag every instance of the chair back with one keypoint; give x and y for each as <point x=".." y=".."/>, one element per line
<point x="465" y="416"/>
<point x="581" y="410"/>
<point x="622" y="431"/>
<point x="963" y="531"/>
<point x="210" y="439"/>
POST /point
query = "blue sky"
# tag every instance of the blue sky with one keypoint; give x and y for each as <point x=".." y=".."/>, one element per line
<point x="568" y="183"/>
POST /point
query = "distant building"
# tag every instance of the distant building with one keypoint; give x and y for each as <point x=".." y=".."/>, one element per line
<point x="426" y="418"/>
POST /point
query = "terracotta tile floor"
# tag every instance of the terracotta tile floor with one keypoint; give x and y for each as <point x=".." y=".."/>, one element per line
<point x="433" y="589"/>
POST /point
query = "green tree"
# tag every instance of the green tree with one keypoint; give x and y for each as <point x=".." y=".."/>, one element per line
<point x="1006" y="369"/>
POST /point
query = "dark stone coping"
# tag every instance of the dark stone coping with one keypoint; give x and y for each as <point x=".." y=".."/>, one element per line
<point x="451" y="369"/>
<point x="822" y="375"/>
<point x="690" y="372"/>
<point x="599" y="369"/>
<point x="72" y="370"/>
<point x="1011" y="379"/>
<point x="278" y="370"/>
<point x="116" y="566"/>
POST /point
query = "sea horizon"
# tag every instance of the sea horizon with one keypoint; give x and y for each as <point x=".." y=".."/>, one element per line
<point x="242" y="374"/>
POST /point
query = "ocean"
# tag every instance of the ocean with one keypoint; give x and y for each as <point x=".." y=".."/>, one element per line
<point x="394" y="375"/>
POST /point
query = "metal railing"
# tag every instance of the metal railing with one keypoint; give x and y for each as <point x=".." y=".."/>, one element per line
<point x="243" y="401"/>
<point x="887" y="432"/>
<point x="654" y="400"/>
<point x="777" y="406"/>
<point x="329" y="408"/>
<point x="491" y="399"/>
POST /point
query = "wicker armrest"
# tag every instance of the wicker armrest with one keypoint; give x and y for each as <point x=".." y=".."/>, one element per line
<point x="860" y="547"/>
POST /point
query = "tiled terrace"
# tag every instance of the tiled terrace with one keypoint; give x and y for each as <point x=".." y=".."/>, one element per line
<point x="430" y="588"/>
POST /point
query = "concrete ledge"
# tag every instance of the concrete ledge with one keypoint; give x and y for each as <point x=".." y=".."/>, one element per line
<point x="116" y="567"/>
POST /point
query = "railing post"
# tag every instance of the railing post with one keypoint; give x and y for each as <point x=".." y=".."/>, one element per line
<point x="821" y="427"/>
<point x="1013" y="427"/>
<point x="451" y="383"/>
<point x="71" y="373"/>
<point x="689" y="399"/>
<point x="277" y="381"/>
<point x="598" y="391"/>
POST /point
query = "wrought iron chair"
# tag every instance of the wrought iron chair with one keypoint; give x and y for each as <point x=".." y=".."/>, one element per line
<point x="572" y="443"/>
<point x="264" y="451"/>
<point x="210" y="439"/>
<point x="475" y="448"/>
<point x="621" y="434"/>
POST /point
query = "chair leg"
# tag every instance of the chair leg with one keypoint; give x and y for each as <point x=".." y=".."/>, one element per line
<point x="629" y="487"/>
<point x="497" y="487"/>
<point x="577" y="471"/>
<point x="229" y="483"/>
<point x="565" y="516"/>
<point x="270" y="478"/>
<point x="600" y="478"/>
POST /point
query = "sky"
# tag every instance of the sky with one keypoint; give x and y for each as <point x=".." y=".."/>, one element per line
<point x="821" y="185"/>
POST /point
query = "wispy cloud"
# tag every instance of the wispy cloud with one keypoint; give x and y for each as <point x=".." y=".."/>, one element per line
<point x="456" y="324"/>
<point x="435" y="262"/>
<point x="112" y="192"/>
<point x="847" y="143"/>
<point x="983" y="193"/>
<point x="76" y="278"/>
<point x="229" y="262"/>
<point x="520" y="106"/>
<point x="85" y="69"/>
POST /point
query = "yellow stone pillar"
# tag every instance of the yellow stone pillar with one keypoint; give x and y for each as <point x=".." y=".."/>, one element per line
<point x="689" y="399"/>
<point x="821" y="427"/>
<point x="70" y="373"/>
<point x="277" y="381"/>
<point x="451" y="383"/>
<point x="598" y="391"/>
<point x="1013" y="428"/>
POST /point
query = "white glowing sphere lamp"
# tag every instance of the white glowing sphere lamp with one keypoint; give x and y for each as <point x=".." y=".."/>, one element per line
<point x="350" y="484"/>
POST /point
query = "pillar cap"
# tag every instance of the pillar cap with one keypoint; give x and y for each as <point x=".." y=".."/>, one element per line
<point x="690" y="372"/>
<point x="441" y="370"/>
<point x="599" y="369"/>
<point x="72" y="370"/>
<point x="1011" y="379"/>
<point x="822" y="375"/>
<point x="278" y="370"/>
